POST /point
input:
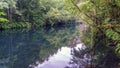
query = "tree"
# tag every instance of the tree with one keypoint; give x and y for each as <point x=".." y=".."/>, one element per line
<point x="103" y="16"/>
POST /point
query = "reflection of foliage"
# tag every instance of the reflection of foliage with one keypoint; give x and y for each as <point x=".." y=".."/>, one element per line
<point x="81" y="58"/>
<point x="19" y="49"/>
<point x="85" y="58"/>
<point x="107" y="59"/>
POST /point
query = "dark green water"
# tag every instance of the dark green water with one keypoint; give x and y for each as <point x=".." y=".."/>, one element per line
<point x="57" y="47"/>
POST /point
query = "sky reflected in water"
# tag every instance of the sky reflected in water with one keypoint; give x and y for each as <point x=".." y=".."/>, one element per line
<point x="61" y="59"/>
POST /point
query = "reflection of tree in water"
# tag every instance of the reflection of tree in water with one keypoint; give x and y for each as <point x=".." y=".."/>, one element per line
<point x="20" y="49"/>
<point x="83" y="58"/>
<point x="108" y="60"/>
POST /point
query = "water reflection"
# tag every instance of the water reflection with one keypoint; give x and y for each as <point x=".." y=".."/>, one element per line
<point x="20" y="49"/>
<point x="59" y="60"/>
<point x="81" y="58"/>
<point x="58" y="47"/>
<point x="98" y="58"/>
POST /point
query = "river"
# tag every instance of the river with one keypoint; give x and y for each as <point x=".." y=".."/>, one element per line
<point x="56" y="47"/>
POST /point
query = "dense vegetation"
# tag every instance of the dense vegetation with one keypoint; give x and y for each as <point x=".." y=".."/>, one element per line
<point x="33" y="13"/>
<point x="104" y="17"/>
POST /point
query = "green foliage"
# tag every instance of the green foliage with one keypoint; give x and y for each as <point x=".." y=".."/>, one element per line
<point x="8" y="3"/>
<point x="95" y="13"/>
<point x="111" y="34"/>
<point x="2" y="14"/>
<point x="37" y="12"/>
<point x="118" y="48"/>
<point x="3" y="5"/>
<point x="3" y="20"/>
<point x="16" y="25"/>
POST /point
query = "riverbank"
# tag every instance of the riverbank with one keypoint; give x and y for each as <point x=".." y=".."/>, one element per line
<point x="27" y="25"/>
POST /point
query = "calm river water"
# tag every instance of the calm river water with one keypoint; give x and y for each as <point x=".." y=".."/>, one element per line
<point x="57" y="47"/>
